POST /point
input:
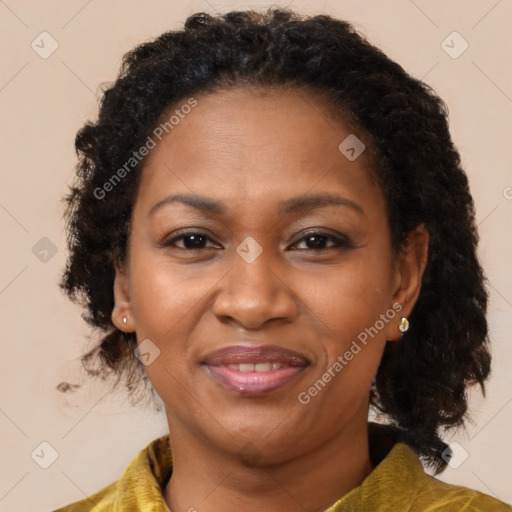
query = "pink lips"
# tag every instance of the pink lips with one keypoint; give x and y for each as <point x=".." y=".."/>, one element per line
<point x="254" y="371"/>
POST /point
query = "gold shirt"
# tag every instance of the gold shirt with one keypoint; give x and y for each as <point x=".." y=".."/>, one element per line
<point x="397" y="484"/>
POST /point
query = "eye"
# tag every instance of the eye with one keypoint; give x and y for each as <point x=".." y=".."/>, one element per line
<point x="191" y="241"/>
<point x="315" y="240"/>
<point x="318" y="239"/>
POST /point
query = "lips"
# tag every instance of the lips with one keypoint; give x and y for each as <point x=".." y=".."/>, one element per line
<point x="254" y="371"/>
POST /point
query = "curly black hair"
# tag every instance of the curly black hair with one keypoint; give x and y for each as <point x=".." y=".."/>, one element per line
<point x="422" y="381"/>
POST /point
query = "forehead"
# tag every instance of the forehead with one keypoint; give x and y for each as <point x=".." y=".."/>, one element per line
<point x="255" y="143"/>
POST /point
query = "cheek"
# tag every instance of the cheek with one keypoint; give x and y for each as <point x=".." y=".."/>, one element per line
<point x="164" y="295"/>
<point x="347" y="304"/>
<point x="165" y="305"/>
<point x="350" y="297"/>
<point x="170" y="304"/>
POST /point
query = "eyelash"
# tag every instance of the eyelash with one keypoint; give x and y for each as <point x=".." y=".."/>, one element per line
<point x="340" y="242"/>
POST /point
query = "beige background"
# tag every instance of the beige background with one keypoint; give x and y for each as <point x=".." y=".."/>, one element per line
<point x="44" y="102"/>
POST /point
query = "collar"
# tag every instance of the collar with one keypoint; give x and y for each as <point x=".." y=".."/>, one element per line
<point x="143" y="483"/>
<point x="397" y="482"/>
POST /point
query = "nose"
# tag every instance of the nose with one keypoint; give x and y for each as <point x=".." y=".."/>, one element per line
<point x="254" y="293"/>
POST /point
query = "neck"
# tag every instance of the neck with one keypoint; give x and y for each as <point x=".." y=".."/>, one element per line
<point x="207" y="479"/>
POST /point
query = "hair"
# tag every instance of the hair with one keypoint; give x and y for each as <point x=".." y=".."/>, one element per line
<point x="422" y="381"/>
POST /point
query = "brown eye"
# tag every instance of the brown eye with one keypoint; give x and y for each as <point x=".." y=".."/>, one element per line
<point x="316" y="241"/>
<point x="191" y="241"/>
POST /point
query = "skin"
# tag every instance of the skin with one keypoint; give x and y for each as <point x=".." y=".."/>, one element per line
<point x="251" y="149"/>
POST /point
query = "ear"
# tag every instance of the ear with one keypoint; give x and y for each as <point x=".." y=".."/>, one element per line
<point x="122" y="302"/>
<point x="409" y="268"/>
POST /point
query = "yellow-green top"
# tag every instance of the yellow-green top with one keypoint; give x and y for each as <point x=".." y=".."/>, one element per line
<point x="398" y="484"/>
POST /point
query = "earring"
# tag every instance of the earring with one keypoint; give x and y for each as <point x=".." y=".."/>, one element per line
<point x="404" y="325"/>
<point x="125" y="319"/>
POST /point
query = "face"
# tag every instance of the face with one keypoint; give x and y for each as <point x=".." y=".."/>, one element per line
<point x="257" y="291"/>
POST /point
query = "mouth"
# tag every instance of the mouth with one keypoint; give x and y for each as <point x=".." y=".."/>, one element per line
<point x="254" y="371"/>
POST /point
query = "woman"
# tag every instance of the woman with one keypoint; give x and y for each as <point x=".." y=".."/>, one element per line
<point x="271" y="225"/>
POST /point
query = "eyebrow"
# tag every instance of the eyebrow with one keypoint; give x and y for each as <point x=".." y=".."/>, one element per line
<point x="293" y="205"/>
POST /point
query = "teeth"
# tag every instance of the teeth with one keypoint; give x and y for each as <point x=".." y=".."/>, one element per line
<point x="257" y="367"/>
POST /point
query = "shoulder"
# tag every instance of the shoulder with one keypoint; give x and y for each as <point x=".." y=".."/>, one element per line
<point x="138" y="488"/>
<point x="430" y="494"/>
<point x="101" y="500"/>
<point x="400" y="484"/>
<point x="437" y="496"/>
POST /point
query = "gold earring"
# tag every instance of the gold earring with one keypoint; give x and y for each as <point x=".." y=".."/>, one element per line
<point x="404" y="324"/>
